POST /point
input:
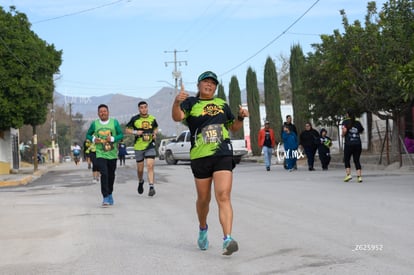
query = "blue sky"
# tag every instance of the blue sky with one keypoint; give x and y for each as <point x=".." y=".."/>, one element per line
<point x="121" y="46"/>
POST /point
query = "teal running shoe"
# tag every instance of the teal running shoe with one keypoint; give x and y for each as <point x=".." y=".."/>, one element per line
<point x="110" y="200"/>
<point x="229" y="246"/>
<point x="202" y="239"/>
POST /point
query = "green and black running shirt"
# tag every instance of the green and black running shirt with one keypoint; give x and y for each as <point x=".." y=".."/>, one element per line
<point x="209" y="121"/>
<point x="146" y="124"/>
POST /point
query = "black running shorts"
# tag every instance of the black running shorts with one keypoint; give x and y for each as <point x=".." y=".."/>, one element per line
<point x="205" y="167"/>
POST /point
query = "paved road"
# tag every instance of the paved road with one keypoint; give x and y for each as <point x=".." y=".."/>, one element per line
<point x="286" y="223"/>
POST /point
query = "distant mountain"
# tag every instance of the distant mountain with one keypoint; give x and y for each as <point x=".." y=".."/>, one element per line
<point x="123" y="107"/>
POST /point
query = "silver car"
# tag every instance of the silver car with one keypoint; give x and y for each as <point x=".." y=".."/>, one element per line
<point x="130" y="153"/>
<point x="161" y="148"/>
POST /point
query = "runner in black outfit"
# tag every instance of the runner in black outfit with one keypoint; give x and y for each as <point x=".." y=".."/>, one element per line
<point x="351" y="131"/>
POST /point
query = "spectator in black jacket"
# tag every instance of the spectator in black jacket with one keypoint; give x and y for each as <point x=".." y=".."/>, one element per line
<point x="309" y="139"/>
<point x="289" y="123"/>
<point x="324" y="150"/>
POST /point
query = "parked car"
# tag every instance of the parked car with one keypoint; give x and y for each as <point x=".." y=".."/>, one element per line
<point x="239" y="149"/>
<point x="161" y="148"/>
<point x="179" y="149"/>
<point x="67" y="159"/>
<point x="130" y="153"/>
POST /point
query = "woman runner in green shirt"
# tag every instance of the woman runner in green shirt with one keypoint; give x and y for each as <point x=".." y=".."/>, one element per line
<point x="210" y="120"/>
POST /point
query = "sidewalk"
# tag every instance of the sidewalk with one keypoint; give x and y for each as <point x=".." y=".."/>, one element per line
<point x="369" y="162"/>
<point x="25" y="175"/>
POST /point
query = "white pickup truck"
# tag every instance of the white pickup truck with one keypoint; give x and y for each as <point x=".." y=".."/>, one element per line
<point x="179" y="149"/>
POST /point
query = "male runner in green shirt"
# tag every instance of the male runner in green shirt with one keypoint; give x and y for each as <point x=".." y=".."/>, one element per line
<point x="105" y="132"/>
<point x="145" y="127"/>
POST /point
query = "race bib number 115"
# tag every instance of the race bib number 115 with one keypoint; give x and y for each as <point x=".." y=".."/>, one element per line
<point x="212" y="133"/>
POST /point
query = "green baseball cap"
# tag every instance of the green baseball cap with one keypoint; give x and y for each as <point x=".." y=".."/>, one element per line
<point x="208" y="74"/>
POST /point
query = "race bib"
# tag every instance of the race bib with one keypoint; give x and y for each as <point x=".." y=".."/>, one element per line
<point x="107" y="146"/>
<point x="212" y="133"/>
<point x="146" y="136"/>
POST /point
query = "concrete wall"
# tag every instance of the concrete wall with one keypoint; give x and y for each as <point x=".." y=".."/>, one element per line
<point x="6" y="157"/>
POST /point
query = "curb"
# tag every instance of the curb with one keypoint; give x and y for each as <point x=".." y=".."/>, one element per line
<point x="338" y="164"/>
<point x="24" y="180"/>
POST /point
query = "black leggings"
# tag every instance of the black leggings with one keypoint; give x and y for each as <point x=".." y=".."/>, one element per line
<point x="353" y="150"/>
<point x="107" y="169"/>
<point x="310" y="152"/>
<point x="92" y="156"/>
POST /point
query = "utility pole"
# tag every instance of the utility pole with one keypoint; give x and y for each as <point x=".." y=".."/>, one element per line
<point x="177" y="76"/>
<point x="53" y="130"/>
<point x="70" y="125"/>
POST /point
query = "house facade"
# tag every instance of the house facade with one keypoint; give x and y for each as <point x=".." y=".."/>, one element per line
<point x="9" y="151"/>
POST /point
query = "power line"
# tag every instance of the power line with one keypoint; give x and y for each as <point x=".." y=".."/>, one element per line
<point x="191" y="26"/>
<point x="11" y="52"/>
<point x="81" y="11"/>
<point x="301" y="34"/>
<point x="273" y="40"/>
<point x="212" y="23"/>
<point x="58" y="17"/>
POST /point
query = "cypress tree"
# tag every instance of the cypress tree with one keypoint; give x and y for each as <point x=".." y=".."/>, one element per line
<point x="220" y="92"/>
<point x="234" y="103"/>
<point x="272" y="97"/>
<point x="301" y="113"/>
<point x="253" y="104"/>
